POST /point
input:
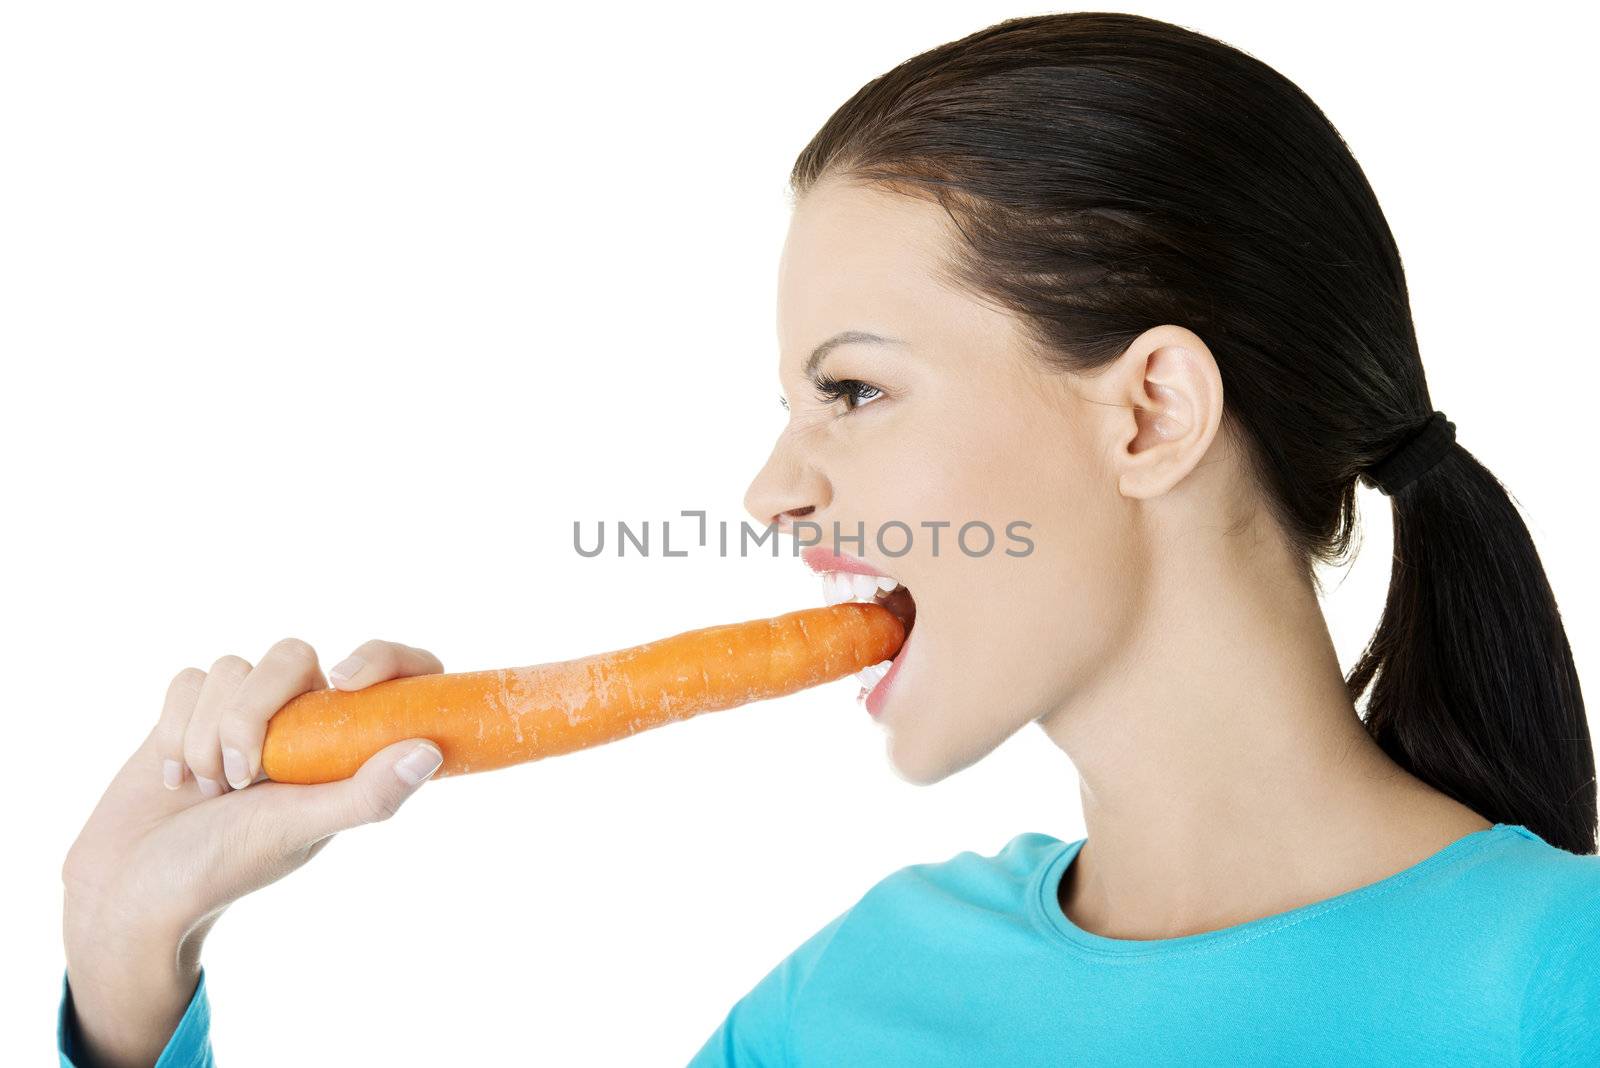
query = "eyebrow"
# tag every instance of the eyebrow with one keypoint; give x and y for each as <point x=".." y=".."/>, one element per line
<point x="848" y="337"/>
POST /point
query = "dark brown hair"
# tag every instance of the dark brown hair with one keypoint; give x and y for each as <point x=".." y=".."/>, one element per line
<point x="1109" y="173"/>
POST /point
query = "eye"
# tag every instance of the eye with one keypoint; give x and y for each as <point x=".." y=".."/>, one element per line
<point x="855" y="392"/>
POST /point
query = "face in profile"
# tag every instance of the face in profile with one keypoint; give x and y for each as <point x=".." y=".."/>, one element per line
<point x="953" y="422"/>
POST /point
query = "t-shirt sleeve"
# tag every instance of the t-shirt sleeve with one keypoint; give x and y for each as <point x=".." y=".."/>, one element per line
<point x="1561" y="1010"/>
<point x="755" y="1032"/>
<point x="189" y="1046"/>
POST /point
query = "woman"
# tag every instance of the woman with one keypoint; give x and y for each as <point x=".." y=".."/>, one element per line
<point x="1126" y="284"/>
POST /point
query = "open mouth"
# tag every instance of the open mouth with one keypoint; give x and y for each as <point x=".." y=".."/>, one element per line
<point x="849" y="578"/>
<point x="841" y="586"/>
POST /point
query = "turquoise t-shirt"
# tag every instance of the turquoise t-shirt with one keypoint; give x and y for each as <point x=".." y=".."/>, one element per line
<point x="1485" y="953"/>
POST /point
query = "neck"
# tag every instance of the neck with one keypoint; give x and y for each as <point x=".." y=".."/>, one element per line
<point x="1224" y="772"/>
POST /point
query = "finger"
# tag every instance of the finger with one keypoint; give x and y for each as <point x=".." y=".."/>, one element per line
<point x="374" y="793"/>
<point x="200" y="749"/>
<point x="286" y="671"/>
<point x="375" y="661"/>
<point x="182" y="692"/>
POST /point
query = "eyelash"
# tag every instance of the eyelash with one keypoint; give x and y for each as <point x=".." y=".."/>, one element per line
<point x="830" y="389"/>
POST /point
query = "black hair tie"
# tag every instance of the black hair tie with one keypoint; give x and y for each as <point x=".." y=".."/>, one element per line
<point x="1423" y="446"/>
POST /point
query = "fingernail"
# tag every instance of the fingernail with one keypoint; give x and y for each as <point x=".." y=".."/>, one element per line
<point x="172" y="774"/>
<point x="208" y="788"/>
<point x="418" y="764"/>
<point x="233" y="766"/>
<point x="347" y="669"/>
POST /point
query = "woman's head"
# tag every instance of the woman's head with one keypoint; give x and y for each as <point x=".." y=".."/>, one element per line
<point x="954" y="421"/>
<point x="1141" y="280"/>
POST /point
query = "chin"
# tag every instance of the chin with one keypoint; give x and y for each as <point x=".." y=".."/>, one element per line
<point x="922" y="757"/>
<point x="913" y="774"/>
<point x="920" y="766"/>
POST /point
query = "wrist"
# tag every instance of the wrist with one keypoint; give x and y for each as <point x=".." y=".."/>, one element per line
<point x="130" y="985"/>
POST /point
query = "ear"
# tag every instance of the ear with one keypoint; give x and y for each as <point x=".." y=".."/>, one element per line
<point x="1172" y="391"/>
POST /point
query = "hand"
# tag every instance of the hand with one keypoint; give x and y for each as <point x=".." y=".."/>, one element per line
<point x="190" y="824"/>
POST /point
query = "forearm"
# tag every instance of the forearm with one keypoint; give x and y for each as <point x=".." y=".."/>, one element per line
<point x="129" y="988"/>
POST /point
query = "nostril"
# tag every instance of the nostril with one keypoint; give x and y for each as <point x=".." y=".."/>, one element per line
<point x="782" y="519"/>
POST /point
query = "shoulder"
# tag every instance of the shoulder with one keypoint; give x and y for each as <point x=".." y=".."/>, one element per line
<point x="1560" y="1006"/>
<point x="995" y="880"/>
<point x="1018" y="857"/>
<point x="891" y="930"/>
<point x="1549" y="887"/>
<point x="1552" y="899"/>
<point x="938" y="910"/>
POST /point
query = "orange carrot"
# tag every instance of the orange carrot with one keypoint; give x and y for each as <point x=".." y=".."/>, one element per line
<point x="489" y="719"/>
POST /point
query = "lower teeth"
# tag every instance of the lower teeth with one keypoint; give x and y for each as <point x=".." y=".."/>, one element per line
<point x="871" y="676"/>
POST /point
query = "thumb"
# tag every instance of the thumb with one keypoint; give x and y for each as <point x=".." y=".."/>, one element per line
<point x="373" y="794"/>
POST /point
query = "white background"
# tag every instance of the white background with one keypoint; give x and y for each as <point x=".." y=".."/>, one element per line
<point x="327" y="320"/>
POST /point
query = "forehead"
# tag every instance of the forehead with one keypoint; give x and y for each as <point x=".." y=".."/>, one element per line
<point x="858" y="258"/>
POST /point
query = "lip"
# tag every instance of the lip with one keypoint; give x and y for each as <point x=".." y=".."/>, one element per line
<point x="880" y="693"/>
<point x="820" y="560"/>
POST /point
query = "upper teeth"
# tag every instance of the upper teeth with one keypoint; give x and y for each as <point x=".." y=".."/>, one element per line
<point x="841" y="586"/>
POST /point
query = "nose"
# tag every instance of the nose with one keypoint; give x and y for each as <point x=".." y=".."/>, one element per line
<point x="785" y="489"/>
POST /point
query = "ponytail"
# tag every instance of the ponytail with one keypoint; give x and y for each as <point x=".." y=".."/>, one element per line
<point x="1474" y="690"/>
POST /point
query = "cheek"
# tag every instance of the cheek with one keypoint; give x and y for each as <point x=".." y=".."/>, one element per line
<point x="1006" y="640"/>
<point x="1039" y="623"/>
<point x="903" y="470"/>
<point x="1012" y="637"/>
